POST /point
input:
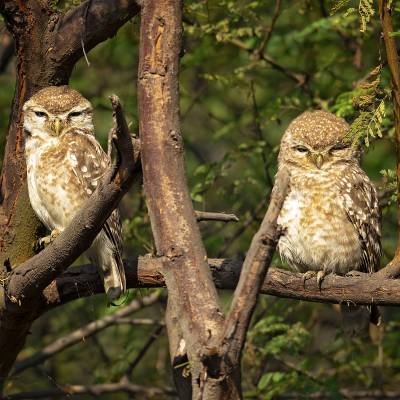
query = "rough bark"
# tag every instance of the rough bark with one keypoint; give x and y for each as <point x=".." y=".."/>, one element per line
<point x="145" y="272"/>
<point x="193" y="300"/>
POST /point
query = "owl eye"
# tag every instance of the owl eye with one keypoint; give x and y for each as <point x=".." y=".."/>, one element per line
<point x="301" y="149"/>
<point x="338" y="147"/>
<point x="40" y="114"/>
<point x="75" y="114"/>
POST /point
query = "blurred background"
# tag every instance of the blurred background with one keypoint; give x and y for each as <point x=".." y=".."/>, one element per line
<point x="247" y="69"/>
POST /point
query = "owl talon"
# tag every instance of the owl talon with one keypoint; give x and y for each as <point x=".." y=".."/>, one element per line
<point x="320" y="277"/>
<point x="308" y="275"/>
<point x="41" y="243"/>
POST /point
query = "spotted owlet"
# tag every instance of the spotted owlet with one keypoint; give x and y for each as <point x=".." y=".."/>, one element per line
<point x="331" y="217"/>
<point x="65" y="164"/>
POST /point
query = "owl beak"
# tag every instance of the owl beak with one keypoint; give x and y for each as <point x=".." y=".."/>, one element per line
<point x="57" y="126"/>
<point x="318" y="160"/>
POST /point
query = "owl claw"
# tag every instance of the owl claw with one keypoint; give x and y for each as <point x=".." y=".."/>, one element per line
<point x="40" y="244"/>
<point x="308" y="275"/>
<point x="320" y="277"/>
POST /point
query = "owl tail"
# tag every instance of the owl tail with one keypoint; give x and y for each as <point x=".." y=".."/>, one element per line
<point x="356" y="319"/>
<point x="114" y="277"/>
<point x="110" y="266"/>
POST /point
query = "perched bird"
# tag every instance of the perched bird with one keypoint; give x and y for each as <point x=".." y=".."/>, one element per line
<point x="330" y="218"/>
<point x="65" y="164"/>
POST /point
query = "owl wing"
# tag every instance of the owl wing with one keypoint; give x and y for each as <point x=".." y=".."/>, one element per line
<point x="360" y="202"/>
<point x="89" y="164"/>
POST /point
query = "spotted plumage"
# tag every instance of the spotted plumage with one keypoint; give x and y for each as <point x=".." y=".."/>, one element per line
<point x="65" y="165"/>
<point x="331" y="217"/>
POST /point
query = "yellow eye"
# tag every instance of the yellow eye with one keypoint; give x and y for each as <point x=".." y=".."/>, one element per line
<point x="75" y="114"/>
<point x="40" y="114"/>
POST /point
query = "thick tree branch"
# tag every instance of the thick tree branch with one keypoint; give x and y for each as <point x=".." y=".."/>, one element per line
<point x="90" y="23"/>
<point x="84" y="281"/>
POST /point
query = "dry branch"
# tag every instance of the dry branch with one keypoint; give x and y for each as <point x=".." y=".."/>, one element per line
<point x="90" y="23"/>
<point x="214" y="216"/>
<point x="83" y="281"/>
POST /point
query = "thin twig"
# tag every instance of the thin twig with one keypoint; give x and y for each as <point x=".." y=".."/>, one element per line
<point x="92" y="390"/>
<point x="270" y="29"/>
<point x="84" y="332"/>
<point x="83" y="35"/>
<point x="153" y="337"/>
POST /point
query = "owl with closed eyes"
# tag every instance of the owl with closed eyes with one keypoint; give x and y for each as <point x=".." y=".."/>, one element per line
<point x="330" y="217"/>
<point x="65" y="163"/>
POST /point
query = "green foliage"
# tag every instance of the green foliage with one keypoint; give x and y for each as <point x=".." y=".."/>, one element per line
<point x="365" y="11"/>
<point x="62" y="5"/>
<point x="366" y="103"/>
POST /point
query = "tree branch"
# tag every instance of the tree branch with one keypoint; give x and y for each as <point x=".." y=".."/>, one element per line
<point x="151" y="339"/>
<point x="214" y="216"/>
<point x="362" y="289"/>
<point x="90" y="23"/>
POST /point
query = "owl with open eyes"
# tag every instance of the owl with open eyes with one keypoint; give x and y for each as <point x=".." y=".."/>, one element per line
<point x="65" y="164"/>
<point x="330" y="219"/>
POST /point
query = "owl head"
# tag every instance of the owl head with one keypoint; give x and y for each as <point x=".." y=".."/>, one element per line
<point x="316" y="140"/>
<point x="54" y="110"/>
